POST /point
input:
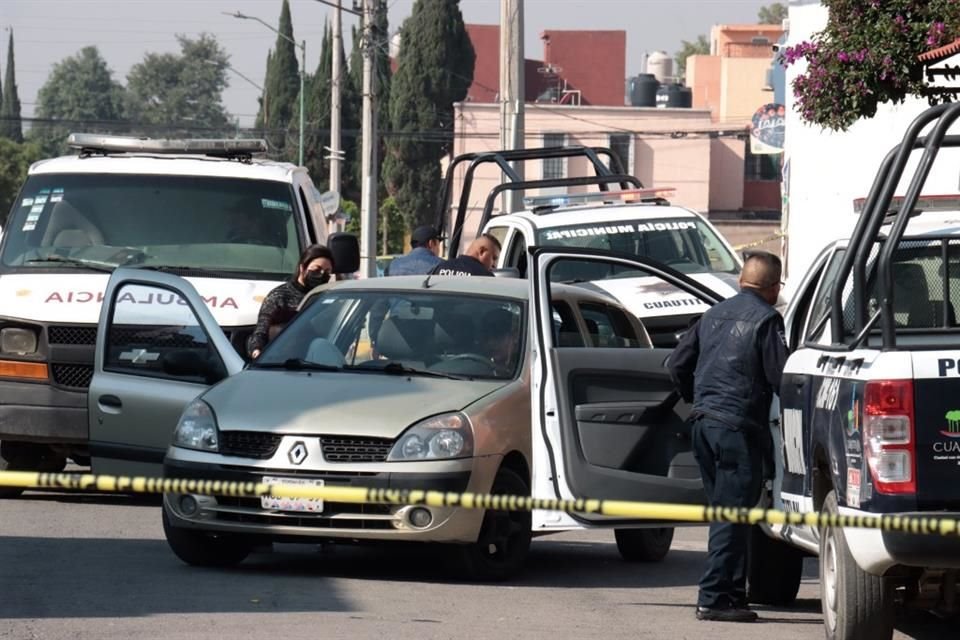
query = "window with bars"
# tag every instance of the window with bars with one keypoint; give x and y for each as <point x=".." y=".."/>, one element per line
<point x="554" y="168"/>
<point x="622" y="144"/>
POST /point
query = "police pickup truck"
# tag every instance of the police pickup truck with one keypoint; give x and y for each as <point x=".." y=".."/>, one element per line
<point x="869" y="419"/>
<point x="621" y="216"/>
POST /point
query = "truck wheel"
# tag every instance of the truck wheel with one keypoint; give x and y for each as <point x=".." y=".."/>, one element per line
<point x="504" y="541"/>
<point x="644" y="545"/>
<point x="856" y="604"/>
<point x="774" y="571"/>
<point x="27" y="456"/>
<point x="203" y="549"/>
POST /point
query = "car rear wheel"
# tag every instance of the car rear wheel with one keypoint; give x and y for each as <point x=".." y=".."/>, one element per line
<point x="644" y="545"/>
<point x="204" y="549"/>
<point x="856" y="605"/>
<point x="774" y="572"/>
<point x="27" y="456"/>
<point x="504" y="540"/>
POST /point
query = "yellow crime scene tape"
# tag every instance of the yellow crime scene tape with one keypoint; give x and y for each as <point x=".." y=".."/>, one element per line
<point x="757" y="243"/>
<point x="945" y="526"/>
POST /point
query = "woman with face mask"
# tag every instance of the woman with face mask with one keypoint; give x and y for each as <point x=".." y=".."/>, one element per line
<point x="314" y="269"/>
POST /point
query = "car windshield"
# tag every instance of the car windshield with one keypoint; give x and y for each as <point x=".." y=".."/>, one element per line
<point x="686" y="244"/>
<point x="411" y="332"/>
<point x="218" y="226"/>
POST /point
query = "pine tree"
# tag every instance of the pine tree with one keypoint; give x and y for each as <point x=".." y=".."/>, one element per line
<point x="434" y="70"/>
<point x="281" y="88"/>
<point x="317" y="118"/>
<point x="10" y="126"/>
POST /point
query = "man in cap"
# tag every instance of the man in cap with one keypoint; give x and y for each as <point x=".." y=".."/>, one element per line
<point x="423" y="256"/>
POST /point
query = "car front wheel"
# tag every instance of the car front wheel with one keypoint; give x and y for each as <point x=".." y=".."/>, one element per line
<point x="504" y="540"/>
<point x="204" y="549"/>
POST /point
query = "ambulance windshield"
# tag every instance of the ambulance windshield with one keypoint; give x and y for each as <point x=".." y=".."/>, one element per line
<point x="215" y="226"/>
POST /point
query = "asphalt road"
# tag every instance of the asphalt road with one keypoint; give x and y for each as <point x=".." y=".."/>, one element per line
<point x="97" y="566"/>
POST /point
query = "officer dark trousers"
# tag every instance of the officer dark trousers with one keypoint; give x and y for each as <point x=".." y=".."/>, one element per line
<point x="731" y="466"/>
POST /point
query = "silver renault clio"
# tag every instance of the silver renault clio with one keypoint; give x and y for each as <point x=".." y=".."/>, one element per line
<point x="402" y="383"/>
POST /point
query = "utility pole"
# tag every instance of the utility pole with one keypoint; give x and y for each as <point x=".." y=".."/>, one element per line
<point x="512" y="90"/>
<point x="336" y="155"/>
<point x="368" y="156"/>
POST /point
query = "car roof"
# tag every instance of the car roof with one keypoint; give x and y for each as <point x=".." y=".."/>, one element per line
<point x="167" y="164"/>
<point x="514" y="288"/>
<point x="607" y="213"/>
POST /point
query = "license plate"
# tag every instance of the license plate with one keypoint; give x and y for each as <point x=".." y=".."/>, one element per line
<point x="308" y="505"/>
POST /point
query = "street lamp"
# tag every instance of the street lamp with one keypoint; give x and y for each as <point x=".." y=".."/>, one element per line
<point x="303" y="65"/>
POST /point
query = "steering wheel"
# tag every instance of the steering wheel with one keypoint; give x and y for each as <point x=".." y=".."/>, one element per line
<point x="472" y="357"/>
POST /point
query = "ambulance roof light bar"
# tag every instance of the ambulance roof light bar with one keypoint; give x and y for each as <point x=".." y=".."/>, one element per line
<point x="94" y="143"/>
<point x="652" y="196"/>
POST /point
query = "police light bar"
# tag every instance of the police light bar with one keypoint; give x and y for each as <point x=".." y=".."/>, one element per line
<point x="125" y="144"/>
<point x="607" y="197"/>
<point x="924" y="203"/>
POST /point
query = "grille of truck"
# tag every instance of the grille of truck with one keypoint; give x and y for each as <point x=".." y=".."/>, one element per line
<point x="74" y="376"/>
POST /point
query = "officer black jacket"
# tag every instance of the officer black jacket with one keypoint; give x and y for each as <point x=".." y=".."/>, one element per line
<point x="730" y="363"/>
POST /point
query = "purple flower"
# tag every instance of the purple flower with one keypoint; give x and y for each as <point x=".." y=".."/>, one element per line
<point x="843" y="57"/>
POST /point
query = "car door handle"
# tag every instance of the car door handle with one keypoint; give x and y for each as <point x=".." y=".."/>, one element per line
<point x="110" y="401"/>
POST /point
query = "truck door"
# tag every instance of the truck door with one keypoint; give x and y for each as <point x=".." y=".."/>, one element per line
<point x="158" y="347"/>
<point x="607" y="422"/>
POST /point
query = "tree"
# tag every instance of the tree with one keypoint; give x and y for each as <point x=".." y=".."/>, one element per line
<point x="867" y="55"/>
<point x="699" y="47"/>
<point x="434" y="70"/>
<point x="10" y="126"/>
<point x="353" y="100"/>
<point x="80" y="93"/>
<point x="390" y="222"/>
<point x="182" y="90"/>
<point x="15" y="159"/>
<point x="317" y="117"/>
<point x="281" y="87"/>
<point x="775" y="13"/>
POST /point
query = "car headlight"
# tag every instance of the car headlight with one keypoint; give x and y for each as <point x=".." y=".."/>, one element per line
<point x="16" y="340"/>
<point x="197" y="428"/>
<point x="441" y="437"/>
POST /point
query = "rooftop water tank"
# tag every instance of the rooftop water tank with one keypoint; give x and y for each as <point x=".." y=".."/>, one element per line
<point x="660" y="64"/>
<point x="674" y="96"/>
<point x="643" y="90"/>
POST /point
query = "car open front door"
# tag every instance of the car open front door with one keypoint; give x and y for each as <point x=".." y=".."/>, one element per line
<point x="158" y="347"/>
<point x="607" y="422"/>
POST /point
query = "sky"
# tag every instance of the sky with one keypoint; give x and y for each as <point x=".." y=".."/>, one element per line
<point x="46" y="31"/>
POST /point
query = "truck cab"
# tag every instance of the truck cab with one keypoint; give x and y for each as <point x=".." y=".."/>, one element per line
<point x="619" y="216"/>
<point x="868" y="410"/>
<point x="210" y="210"/>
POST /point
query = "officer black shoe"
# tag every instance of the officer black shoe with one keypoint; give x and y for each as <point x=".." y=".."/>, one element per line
<point x="726" y="614"/>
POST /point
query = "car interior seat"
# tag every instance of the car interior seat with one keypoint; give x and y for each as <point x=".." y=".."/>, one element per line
<point x="69" y="228"/>
<point x="410" y="341"/>
<point x="912" y="304"/>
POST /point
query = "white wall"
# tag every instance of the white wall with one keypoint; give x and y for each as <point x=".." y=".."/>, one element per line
<point x="828" y="170"/>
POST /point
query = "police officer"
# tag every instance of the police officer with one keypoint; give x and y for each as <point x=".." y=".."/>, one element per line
<point x="729" y="364"/>
<point x="423" y="256"/>
<point x="478" y="259"/>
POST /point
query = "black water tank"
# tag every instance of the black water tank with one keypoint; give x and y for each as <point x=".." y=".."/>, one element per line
<point x="674" y="96"/>
<point x="643" y="90"/>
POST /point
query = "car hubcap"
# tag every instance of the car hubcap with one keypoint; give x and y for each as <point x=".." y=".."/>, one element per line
<point x="829" y="579"/>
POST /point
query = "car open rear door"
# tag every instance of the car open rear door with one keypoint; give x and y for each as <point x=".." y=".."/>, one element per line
<point x="607" y="422"/>
<point x="158" y="347"/>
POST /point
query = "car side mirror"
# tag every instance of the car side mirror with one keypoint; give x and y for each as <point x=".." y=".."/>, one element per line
<point x="346" y="252"/>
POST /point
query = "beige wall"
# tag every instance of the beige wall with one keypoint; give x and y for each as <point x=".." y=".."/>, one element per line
<point x="741" y="91"/>
<point x="683" y="163"/>
<point x="726" y="174"/>
<point x="703" y="78"/>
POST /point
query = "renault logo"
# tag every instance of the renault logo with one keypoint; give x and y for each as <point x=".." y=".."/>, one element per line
<point x="297" y="453"/>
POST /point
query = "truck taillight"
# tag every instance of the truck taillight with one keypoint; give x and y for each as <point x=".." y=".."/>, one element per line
<point x="888" y="438"/>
